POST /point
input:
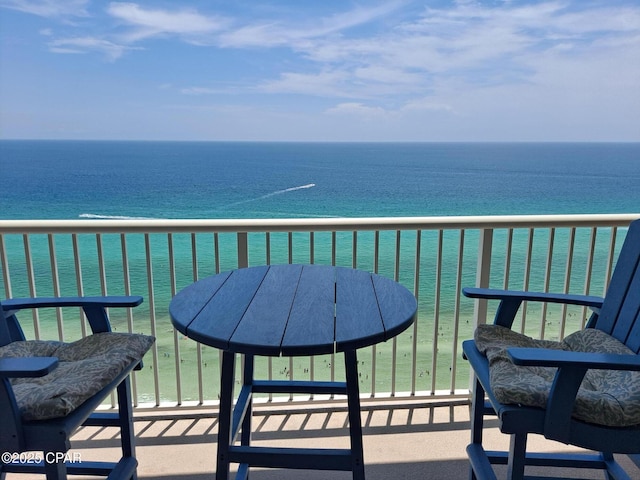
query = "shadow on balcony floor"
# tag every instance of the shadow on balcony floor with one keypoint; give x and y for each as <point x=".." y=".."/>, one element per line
<point x="403" y="440"/>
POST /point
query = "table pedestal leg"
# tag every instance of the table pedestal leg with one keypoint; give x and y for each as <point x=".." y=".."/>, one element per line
<point x="225" y="414"/>
<point x="247" y="381"/>
<point x="355" y="422"/>
<point x="230" y="419"/>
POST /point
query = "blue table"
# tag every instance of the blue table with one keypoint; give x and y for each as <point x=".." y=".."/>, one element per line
<point x="289" y="310"/>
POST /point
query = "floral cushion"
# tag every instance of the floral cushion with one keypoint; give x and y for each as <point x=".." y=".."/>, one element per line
<point x="85" y="367"/>
<point x="606" y="397"/>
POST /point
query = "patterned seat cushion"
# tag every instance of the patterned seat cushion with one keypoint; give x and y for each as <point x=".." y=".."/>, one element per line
<point x="85" y="367"/>
<point x="606" y="397"/>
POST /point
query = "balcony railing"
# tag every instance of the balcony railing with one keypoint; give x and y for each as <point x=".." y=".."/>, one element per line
<point x="432" y="256"/>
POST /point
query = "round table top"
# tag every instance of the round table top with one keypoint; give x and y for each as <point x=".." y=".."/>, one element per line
<point x="293" y="310"/>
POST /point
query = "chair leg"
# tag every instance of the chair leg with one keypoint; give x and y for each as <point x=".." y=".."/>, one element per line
<point x="247" y="380"/>
<point x="517" y="453"/>
<point x="477" y="413"/>
<point x="225" y="414"/>
<point x="614" y="470"/>
<point x="54" y="470"/>
<point x="355" y="421"/>
<point x="125" y="414"/>
<point x="608" y="458"/>
<point x="477" y="420"/>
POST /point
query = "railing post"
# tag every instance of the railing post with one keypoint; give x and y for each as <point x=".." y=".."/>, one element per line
<point x="483" y="274"/>
<point x="243" y="250"/>
<point x="4" y="264"/>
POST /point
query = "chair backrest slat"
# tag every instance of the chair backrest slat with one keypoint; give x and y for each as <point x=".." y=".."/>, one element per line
<point x="627" y="319"/>
<point x="633" y="342"/>
<point x="620" y="312"/>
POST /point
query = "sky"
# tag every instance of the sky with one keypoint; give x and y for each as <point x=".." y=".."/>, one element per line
<point x="295" y="70"/>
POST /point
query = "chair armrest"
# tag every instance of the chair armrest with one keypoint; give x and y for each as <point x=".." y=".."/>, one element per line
<point x="568" y="298"/>
<point x="27" y="366"/>
<point x="572" y="367"/>
<point x="41" y="302"/>
<point x="94" y="307"/>
<point x="543" y="357"/>
<point x="510" y="301"/>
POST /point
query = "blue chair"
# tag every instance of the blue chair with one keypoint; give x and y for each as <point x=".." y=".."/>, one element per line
<point x="583" y="391"/>
<point x="49" y="389"/>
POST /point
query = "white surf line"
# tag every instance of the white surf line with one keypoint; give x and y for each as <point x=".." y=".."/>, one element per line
<point x="112" y="217"/>
<point x="301" y="215"/>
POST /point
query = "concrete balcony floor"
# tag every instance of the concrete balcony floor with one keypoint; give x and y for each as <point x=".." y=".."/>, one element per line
<point x="402" y="440"/>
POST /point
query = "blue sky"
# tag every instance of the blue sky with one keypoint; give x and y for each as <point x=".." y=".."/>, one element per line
<point x="566" y="70"/>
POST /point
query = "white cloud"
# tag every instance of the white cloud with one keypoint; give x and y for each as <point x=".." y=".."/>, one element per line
<point x="383" y="74"/>
<point x="143" y="23"/>
<point x="427" y="104"/>
<point x="297" y="33"/>
<point x="148" y="22"/>
<point x="356" y="109"/>
<point x="327" y="83"/>
<point x="200" y="91"/>
<point x="262" y="35"/>
<point x="476" y="68"/>
<point x="456" y="65"/>
<point x="48" y="8"/>
<point x="421" y="108"/>
<point x="79" y="45"/>
<point x="355" y="17"/>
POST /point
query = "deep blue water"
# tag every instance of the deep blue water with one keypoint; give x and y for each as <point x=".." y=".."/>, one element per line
<point x="74" y="179"/>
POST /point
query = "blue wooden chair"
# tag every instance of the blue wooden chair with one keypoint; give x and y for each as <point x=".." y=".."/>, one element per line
<point x="49" y="389"/>
<point x="583" y="391"/>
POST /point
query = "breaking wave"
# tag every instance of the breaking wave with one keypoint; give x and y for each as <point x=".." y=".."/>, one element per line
<point x="111" y="217"/>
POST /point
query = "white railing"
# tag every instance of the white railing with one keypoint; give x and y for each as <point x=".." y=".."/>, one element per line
<point x="433" y="256"/>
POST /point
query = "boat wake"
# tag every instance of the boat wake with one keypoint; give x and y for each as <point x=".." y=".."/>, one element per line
<point x="95" y="216"/>
<point x="272" y="194"/>
<point x="286" y="190"/>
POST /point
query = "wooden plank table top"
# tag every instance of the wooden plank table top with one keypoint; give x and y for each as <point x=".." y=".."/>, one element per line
<point x="293" y="310"/>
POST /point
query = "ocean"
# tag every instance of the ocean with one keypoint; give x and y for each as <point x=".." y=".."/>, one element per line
<point x="78" y="179"/>
<point x="189" y="180"/>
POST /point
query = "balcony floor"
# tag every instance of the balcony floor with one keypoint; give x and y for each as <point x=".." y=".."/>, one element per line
<point x="403" y="440"/>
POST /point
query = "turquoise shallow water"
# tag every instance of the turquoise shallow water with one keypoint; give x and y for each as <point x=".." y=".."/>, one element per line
<point x="76" y="180"/>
